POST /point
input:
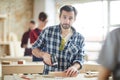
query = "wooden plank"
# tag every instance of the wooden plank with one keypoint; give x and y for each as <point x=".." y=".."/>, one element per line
<point x="14" y="59"/>
<point x="22" y="68"/>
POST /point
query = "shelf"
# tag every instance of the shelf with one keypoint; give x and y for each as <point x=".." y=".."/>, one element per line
<point x="3" y="16"/>
<point x="4" y="43"/>
<point x="4" y="49"/>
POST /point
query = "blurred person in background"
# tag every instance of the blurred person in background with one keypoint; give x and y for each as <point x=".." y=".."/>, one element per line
<point x="42" y="21"/>
<point x="109" y="56"/>
<point x="25" y="41"/>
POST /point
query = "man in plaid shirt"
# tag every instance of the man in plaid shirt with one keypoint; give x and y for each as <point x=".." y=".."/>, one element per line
<point x="64" y="46"/>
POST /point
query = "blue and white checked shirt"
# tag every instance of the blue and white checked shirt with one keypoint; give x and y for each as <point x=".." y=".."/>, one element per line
<point x="73" y="51"/>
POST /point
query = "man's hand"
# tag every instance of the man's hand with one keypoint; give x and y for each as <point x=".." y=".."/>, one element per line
<point x="46" y="56"/>
<point x="71" y="71"/>
<point x="47" y="59"/>
<point x="24" y="45"/>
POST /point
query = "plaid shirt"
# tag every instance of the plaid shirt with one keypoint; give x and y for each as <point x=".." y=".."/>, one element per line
<point x="73" y="50"/>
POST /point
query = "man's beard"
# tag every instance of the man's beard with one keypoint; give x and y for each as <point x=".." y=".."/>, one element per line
<point x="65" y="26"/>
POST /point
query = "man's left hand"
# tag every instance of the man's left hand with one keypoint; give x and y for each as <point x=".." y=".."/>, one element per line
<point x="71" y="71"/>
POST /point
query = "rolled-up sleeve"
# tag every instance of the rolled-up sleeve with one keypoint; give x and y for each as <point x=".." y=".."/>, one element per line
<point x="79" y="55"/>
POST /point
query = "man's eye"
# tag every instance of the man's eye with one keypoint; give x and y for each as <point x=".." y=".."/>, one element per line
<point x="65" y="17"/>
<point x="70" y="18"/>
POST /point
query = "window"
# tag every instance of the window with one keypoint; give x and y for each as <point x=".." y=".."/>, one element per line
<point x="114" y="14"/>
<point x="90" y="24"/>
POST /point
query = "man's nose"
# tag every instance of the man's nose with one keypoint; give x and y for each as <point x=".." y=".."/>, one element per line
<point x="67" y="21"/>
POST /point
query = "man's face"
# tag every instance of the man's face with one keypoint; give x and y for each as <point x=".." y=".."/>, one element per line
<point x="31" y="25"/>
<point x="43" y="22"/>
<point x="67" y="19"/>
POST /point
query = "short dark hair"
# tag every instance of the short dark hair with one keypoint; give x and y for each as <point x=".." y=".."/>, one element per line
<point x="42" y="16"/>
<point x="68" y="8"/>
<point x="33" y="22"/>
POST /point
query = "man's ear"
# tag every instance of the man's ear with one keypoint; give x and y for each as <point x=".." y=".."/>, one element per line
<point x="59" y="17"/>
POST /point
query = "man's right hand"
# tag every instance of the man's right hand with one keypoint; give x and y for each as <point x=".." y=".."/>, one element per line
<point x="47" y="58"/>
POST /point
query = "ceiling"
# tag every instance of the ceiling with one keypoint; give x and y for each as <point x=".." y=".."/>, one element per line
<point x="61" y="2"/>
